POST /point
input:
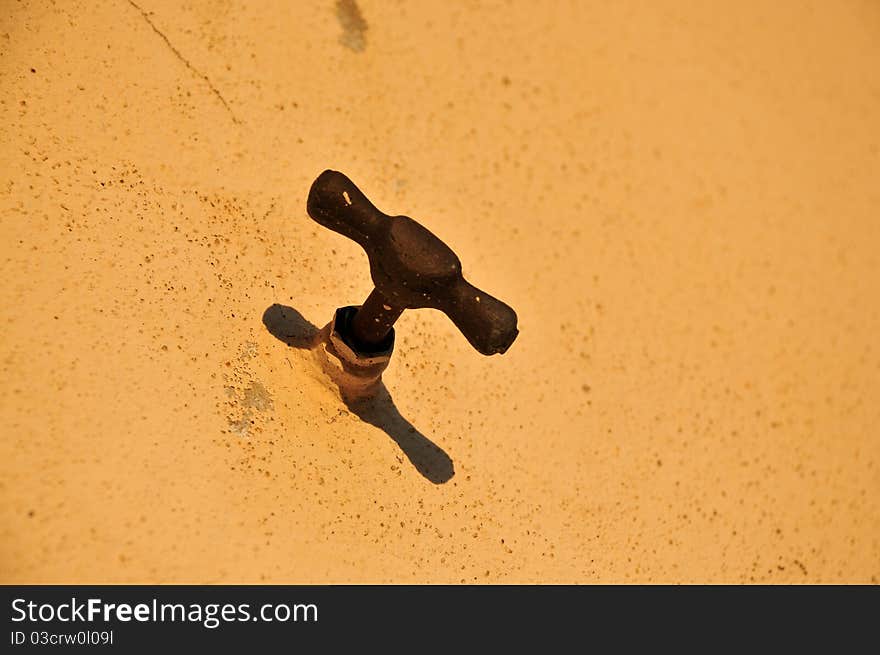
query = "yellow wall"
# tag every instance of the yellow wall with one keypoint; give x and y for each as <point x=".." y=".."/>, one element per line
<point x="680" y="199"/>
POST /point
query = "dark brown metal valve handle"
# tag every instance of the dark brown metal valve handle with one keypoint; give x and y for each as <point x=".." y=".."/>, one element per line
<point x="411" y="269"/>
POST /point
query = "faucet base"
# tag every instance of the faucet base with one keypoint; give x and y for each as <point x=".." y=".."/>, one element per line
<point x="358" y="374"/>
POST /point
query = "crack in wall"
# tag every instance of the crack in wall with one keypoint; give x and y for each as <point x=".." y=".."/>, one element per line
<point x="186" y="62"/>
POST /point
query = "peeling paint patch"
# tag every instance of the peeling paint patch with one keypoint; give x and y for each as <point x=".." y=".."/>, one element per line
<point x="248" y="400"/>
<point x="257" y="397"/>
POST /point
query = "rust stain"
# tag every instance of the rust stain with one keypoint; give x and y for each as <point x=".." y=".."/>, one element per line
<point x="354" y="27"/>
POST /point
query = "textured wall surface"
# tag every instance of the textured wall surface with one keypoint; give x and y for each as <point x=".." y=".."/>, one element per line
<point x="681" y="200"/>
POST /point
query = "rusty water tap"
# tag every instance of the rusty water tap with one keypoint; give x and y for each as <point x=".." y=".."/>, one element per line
<point x="411" y="269"/>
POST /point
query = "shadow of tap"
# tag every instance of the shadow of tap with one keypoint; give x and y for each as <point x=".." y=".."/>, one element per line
<point x="289" y="326"/>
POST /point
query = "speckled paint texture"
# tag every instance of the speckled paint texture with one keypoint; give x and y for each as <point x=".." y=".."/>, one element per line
<point x="680" y="199"/>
